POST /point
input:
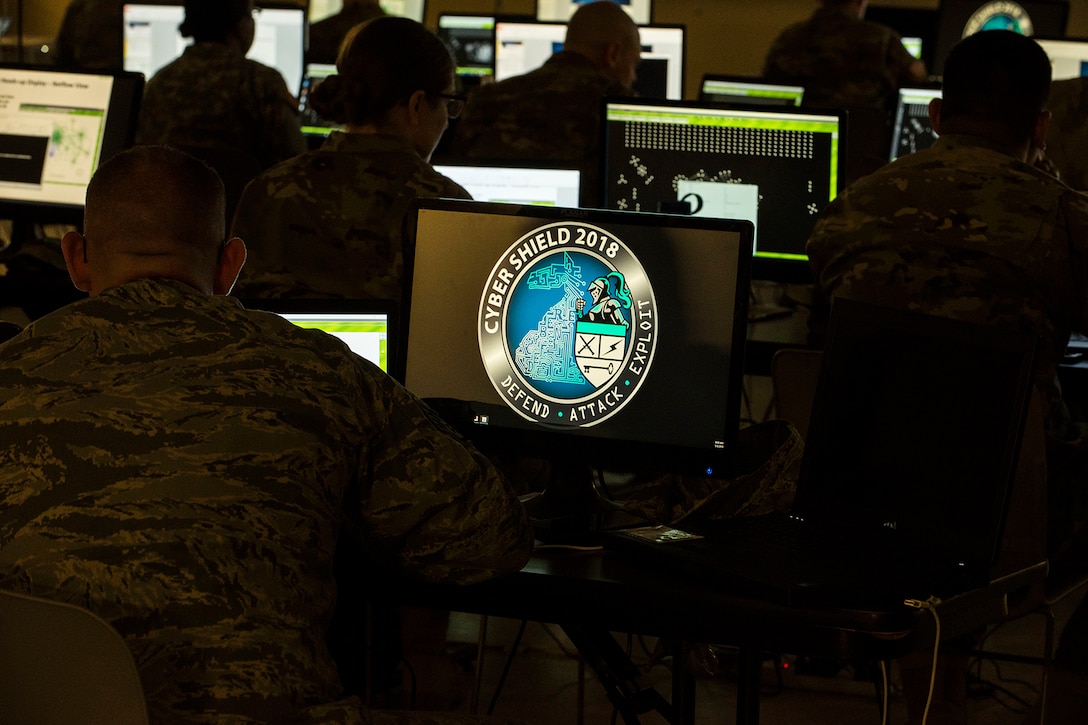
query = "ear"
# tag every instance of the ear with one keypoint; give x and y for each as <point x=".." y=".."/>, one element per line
<point x="416" y="108"/>
<point x="231" y="259"/>
<point x="610" y="56"/>
<point x="74" y="248"/>
<point x="935" y="115"/>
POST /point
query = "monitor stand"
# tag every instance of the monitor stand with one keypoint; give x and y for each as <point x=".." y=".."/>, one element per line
<point x="573" y="506"/>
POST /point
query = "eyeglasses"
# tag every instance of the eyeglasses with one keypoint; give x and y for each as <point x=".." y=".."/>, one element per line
<point x="454" y="103"/>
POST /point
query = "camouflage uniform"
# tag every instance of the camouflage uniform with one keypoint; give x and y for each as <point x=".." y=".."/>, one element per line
<point x="327" y="34"/>
<point x="90" y="35"/>
<point x="963" y="230"/>
<point x="550" y="114"/>
<point x="213" y="98"/>
<point x="329" y="222"/>
<point x="1067" y="142"/>
<point x="842" y="62"/>
<point x="182" y="467"/>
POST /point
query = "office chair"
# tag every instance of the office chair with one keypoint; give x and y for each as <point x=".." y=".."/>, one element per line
<point x="63" y="665"/>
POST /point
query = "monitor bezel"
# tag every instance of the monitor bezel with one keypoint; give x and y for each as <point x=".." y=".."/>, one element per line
<point x="593" y="451"/>
<point x="126" y="94"/>
<point x="787" y="271"/>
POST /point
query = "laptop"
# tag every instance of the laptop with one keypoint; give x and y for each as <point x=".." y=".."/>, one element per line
<point x="365" y="326"/>
<point x="904" y="483"/>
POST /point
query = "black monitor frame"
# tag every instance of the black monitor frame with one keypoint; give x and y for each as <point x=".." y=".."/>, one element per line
<point x="118" y="134"/>
<point x="598" y="446"/>
<point x="787" y="267"/>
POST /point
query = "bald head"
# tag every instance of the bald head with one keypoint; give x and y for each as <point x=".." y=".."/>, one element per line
<point x="151" y="211"/>
<point x="603" y="32"/>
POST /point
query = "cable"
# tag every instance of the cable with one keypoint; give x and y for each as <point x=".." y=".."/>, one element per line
<point x="884" y="693"/>
<point x="929" y="605"/>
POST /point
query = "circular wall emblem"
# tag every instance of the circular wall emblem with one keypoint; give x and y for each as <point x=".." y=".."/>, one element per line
<point x="568" y="325"/>
<point x="999" y="15"/>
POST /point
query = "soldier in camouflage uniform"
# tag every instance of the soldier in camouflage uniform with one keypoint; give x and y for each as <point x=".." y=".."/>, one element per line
<point x="214" y="99"/>
<point x="90" y="35"/>
<point x="327" y="34"/>
<point x="1067" y="142"/>
<point x="971" y="228"/>
<point x="553" y="113"/>
<point x="329" y="223"/>
<point x="197" y="461"/>
<point x="846" y="62"/>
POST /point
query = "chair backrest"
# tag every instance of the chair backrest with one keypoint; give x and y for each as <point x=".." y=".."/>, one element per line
<point x="62" y="665"/>
<point x="794" y="372"/>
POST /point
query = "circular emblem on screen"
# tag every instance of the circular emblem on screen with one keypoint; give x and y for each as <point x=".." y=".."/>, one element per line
<point x="568" y="325"/>
<point x="999" y="15"/>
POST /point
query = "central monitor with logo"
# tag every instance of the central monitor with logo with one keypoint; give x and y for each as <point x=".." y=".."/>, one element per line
<point x="600" y="339"/>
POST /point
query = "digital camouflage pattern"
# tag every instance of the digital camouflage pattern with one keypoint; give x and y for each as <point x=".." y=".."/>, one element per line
<point x="327" y="34"/>
<point x="1067" y="141"/>
<point x="550" y="114"/>
<point x="963" y="230"/>
<point x="329" y="223"/>
<point x="841" y="61"/>
<point x="182" y="467"/>
<point x="213" y="98"/>
<point x="90" y="35"/>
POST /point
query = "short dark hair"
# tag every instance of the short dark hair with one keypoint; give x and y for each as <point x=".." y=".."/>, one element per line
<point x="212" y="20"/>
<point x="382" y="63"/>
<point x="997" y="75"/>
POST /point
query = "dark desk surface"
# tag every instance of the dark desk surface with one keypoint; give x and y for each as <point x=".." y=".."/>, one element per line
<point x="612" y="590"/>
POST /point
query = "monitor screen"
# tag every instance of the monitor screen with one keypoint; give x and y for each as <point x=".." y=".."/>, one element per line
<point x="56" y="127"/>
<point x="366" y="326"/>
<point x="1068" y="57"/>
<point x="959" y="18"/>
<point x="605" y="338"/>
<point x="152" y="39"/>
<point x="913" y="46"/>
<point x="748" y="91"/>
<point x="641" y="11"/>
<point x="912" y="130"/>
<point x="471" y="39"/>
<point x="517" y="184"/>
<point x="313" y="125"/>
<point x="414" y="9"/>
<point x="776" y="167"/>
<point x="522" y="46"/>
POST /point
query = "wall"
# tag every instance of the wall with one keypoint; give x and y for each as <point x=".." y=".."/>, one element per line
<point x="724" y="36"/>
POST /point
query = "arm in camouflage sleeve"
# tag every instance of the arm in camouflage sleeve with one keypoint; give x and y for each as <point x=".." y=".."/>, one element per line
<point x="432" y="505"/>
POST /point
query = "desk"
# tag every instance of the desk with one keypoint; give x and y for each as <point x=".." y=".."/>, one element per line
<point x="602" y="591"/>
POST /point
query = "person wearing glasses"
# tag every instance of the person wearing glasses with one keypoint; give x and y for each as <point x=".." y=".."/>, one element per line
<point x="328" y="223"/>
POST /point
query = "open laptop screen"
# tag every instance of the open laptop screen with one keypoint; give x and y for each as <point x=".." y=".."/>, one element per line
<point x="56" y="127"/>
<point x="776" y="167"/>
<point x="537" y="186"/>
<point x="606" y="338"/>
<point x="151" y="39"/>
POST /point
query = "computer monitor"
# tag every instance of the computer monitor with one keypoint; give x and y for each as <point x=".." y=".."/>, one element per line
<point x="414" y="9"/>
<point x="471" y="39"/>
<point x="1068" y="57"/>
<point x="533" y="186"/>
<point x="916" y="26"/>
<point x="56" y="127"/>
<point x="959" y="18"/>
<point x="314" y="127"/>
<point x="748" y="90"/>
<point x="151" y="38"/>
<point x="641" y="11"/>
<point x="912" y="130"/>
<point x="594" y="338"/>
<point x="522" y="46"/>
<point x="777" y="167"/>
<point x="368" y="327"/>
<point x="913" y="45"/>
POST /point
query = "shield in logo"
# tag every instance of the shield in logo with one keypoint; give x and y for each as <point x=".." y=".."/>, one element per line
<point x="599" y="350"/>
